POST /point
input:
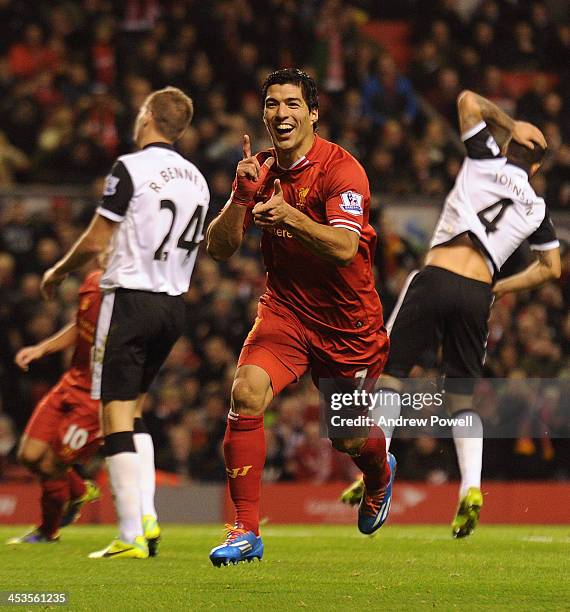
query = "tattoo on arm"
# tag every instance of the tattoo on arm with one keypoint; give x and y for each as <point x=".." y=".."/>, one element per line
<point x="474" y="108"/>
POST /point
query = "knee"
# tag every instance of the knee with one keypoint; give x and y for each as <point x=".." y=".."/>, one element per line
<point x="247" y="399"/>
<point x="41" y="462"/>
<point x="350" y="446"/>
<point x="50" y="466"/>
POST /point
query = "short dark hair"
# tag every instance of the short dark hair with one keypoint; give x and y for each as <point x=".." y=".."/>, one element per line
<point x="295" y="77"/>
<point x="523" y="156"/>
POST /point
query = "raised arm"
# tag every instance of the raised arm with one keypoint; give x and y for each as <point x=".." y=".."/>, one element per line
<point x="91" y="243"/>
<point x="473" y="108"/>
<point x="225" y="232"/>
<point x="59" y="341"/>
<point x="546" y="268"/>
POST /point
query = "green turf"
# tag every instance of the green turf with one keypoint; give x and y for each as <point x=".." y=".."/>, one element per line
<point x="319" y="568"/>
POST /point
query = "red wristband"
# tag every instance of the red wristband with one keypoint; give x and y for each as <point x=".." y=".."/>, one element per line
<point x="236" y="200"/>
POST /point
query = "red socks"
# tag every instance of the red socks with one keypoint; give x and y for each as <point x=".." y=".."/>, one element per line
<point x="77" y="486"/>
<point x="373" y="463"/>
<point x="55" y="494"/>
<point x="244" y="452"/>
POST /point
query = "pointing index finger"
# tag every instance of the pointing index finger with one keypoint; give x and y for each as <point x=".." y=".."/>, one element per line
<point x="246" y="146"/>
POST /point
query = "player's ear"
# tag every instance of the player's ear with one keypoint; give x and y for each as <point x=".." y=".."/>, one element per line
<point x="147" y="117"/>
<point x="535" y="168"/>
<point x="314" y="115"/>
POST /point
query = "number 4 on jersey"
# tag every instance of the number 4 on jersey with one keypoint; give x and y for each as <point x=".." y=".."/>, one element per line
<point x="196" y="224"/>
<point x="491" y="224"/>
<point x="185" y="242"/>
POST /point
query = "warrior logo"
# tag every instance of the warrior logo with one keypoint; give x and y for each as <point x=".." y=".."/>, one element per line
<point x="241" y="471"/>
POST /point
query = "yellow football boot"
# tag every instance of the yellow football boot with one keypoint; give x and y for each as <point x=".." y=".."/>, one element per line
<point x="151" y="530"/>
<point x="118" y="549"/>
<point x="353" y="494"/>
<point x="467" y="515"/>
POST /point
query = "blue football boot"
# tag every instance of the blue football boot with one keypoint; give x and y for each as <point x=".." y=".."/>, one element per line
<point x="239" y="545"/>
<point x="374" y="509"/>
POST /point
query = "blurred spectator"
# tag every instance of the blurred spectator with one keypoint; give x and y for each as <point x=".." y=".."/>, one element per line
<point x="23" y="118"/>
<point x="16" y="234"/>
<point x="83" y="159"/>
<point x="485" y="43"/>
<point x="426" y="64"/>
<point x="12" y="161"/>
<point x="522" y="52"/>
<point x="443" y="94"/>
<point x="388" y="95"/>
<point x="529" y="105"/>
<point x="492" y="88"/>
<point x="103" y="59"/>
<point x="335" y="31"/>
<point x="30" y="56"/>
<point x="274" y="469"/>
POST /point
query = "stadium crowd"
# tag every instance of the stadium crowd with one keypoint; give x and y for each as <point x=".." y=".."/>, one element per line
<point x="71" y="79"/>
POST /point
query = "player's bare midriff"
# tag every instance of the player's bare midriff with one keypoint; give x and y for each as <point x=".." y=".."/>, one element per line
<point x="462" y="257"/>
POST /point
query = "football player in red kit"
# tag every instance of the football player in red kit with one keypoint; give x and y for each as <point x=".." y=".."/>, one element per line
<point x="320" y="311"/>
<point x="64" y="428"/>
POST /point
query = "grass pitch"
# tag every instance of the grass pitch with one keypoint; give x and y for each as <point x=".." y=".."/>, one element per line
<point x="312" y="567"/>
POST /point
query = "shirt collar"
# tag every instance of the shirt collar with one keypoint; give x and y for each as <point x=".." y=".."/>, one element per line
<point x="162" y="145"/>
<point x="519" y="170"/>
<point x="307" y="159"/>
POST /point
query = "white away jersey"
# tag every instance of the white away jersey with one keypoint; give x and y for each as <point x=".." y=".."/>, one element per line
<point x="493" y="201"/>
<point x="160" y="200"/>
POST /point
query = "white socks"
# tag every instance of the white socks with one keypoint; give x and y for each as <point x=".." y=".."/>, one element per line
<point x="124" y="471"/>
<point x="469" y="446"/>
<point x="468" y="438"/>
<point x="387" y="407"/>
<point x="147" y="478"/>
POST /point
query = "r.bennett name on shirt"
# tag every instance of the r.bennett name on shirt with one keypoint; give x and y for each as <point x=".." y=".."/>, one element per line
<point x="169" y="174"/>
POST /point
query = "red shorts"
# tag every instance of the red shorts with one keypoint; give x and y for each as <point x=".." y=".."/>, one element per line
<point x="286" y="349"/>
<point x="68" y="420"/>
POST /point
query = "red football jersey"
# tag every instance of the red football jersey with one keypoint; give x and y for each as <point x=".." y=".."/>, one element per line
<point x="331" y="188"/>
<point x="79" y="374"/>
